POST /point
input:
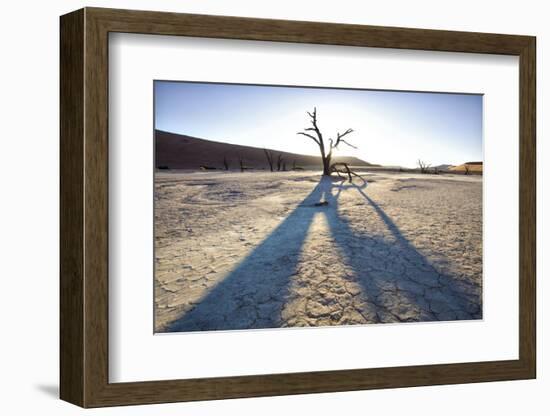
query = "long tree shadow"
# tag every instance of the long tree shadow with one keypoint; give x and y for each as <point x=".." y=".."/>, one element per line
<point x="398" y="283"/>
<point x="253" y="294"/>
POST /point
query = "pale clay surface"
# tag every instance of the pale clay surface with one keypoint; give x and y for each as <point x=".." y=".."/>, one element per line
<point x="252" y="250"/>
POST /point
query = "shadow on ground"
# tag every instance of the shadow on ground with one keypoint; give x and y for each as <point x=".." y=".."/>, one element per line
<point x="49" y="390"/>
<point x="397" y="283"/>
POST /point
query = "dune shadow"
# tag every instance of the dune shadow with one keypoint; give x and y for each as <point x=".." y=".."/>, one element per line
<point x="398" y="283"/>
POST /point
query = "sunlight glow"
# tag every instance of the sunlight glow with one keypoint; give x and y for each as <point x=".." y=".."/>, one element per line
<point x="390" y="128"/>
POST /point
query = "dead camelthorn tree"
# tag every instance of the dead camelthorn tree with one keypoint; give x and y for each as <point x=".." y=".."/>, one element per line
<point x="324" y="148"/>
<point x="279" y="162"/>
<point x="225" y="163"/>
<point x="269" y="157"/>
<point x="241" y="164"/>
<point x="466" y="169"/>
<point x="424" y="167"/>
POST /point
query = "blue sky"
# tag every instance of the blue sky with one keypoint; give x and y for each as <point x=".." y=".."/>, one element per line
<point x="390" y="127"/>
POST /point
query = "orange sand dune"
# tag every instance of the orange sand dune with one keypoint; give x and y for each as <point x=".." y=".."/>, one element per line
<point x="474" y="167"/>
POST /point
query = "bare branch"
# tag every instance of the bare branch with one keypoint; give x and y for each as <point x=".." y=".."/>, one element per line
<point x="347" y="170"/>
<point x="315" y="128"/>
<point x="340" y="136"/>
<point x="314" y="115"/>
<point x="350" y="145"/>
<point x="310" y="136"/>
<point x="423" y="166"/>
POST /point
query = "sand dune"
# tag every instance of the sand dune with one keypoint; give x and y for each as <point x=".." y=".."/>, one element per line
<point x="175" y="151"/>
<point x="473" y="167"/>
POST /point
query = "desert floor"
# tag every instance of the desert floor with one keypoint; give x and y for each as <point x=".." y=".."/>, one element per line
<point x="253" y="250"/>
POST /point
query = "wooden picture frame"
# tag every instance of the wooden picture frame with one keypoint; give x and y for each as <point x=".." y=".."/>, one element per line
<point x="84" y="207"/>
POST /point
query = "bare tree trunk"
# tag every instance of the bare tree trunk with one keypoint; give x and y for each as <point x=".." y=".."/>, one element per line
<point x="269" y="157"/>
<point x="326" y="165"/>
<point x="279" y="162"/>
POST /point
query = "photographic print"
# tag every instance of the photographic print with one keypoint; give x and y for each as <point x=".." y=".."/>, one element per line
<point x="291" y="206"/>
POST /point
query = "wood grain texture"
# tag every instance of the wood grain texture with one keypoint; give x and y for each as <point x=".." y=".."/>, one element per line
<point x="162" y="23"/>
<point x="96" y="219"/>
<point x="84" y="207"/>
<point x="527" y="207"/>
<point x="71" y="100"/>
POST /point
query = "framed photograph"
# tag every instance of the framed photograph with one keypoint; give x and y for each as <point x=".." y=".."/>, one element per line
<point x="255" y="207"/>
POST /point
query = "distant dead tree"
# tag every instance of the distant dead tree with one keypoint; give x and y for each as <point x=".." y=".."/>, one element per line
<point x="326" y="151"/>
<point x="466" y="169"/>
<point x="279" y="162"/>
<point x="225" y="163"/>
<point x="424" y="167"/>
<point x="269" y="157"/>
<point x="241" y="164"/>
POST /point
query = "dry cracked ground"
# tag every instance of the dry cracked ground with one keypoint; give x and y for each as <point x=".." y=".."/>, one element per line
<point x="264" y="250"/>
